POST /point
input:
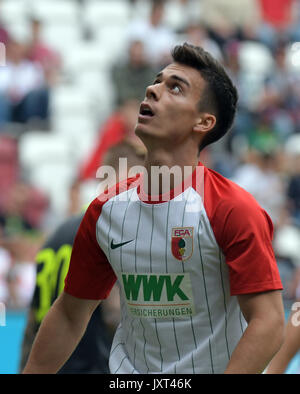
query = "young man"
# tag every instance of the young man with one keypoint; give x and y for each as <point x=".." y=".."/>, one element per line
<point x="199" y="281"/>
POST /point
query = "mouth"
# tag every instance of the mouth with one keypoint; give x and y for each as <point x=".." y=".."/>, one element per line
<point x="146" y="112"/>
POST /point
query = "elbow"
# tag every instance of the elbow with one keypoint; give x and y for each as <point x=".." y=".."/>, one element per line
<point x="271" y="329"/>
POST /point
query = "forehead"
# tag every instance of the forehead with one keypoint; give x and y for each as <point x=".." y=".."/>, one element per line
<point x="190" y="74"/>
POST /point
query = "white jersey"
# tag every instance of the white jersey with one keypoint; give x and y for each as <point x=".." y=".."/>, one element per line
<point x="179" y="273"/>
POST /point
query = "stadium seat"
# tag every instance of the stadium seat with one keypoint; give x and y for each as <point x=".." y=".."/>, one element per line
<point x="177" y="15"/>
<point x="55" y="187"/>
<point x="140" y="9"/>
<point x="13" y="11"/>
<point x="287" y="243"/>
<point x="36" y="146"/>
<point x="69" y="99"/>
<point x="63" y="38"/>
<point x="292" y="145"/>
<point x="293" y="58"/>
<point x="113" y="41"/>
<point x="98" y="87"/>
<point x="43" y="157"/>
<point x="86" y="56"/>
<point x="76" y="114"/>
<point x="20" y="31"/>
<point x="55" y="11"/>
<point x="255" y="58"/>
<point x="81" y="132"/>
<point x="100" y="13"/>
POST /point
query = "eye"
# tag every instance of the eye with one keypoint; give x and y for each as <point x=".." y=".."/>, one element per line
<point x="176" y="89"/>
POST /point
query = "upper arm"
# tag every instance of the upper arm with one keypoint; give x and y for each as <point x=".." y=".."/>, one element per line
<point x="76" y="309"/>
<point x="245" y="238"/>
<point x="262" y="305"/>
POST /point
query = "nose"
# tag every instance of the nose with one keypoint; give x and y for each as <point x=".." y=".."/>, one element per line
<point x="152" y="92"/>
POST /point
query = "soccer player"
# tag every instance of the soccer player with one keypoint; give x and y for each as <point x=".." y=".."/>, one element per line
<point x="200" y="288"/>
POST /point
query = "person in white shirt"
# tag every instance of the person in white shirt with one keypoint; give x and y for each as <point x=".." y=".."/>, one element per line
<point x="158" y="38"/>
<point x="23" y="89"/>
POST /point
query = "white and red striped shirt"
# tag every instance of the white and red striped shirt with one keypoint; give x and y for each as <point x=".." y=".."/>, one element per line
<point x="180" y="263"/>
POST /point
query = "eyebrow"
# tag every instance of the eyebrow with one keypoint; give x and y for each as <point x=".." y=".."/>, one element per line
<point x="176" y="77"/>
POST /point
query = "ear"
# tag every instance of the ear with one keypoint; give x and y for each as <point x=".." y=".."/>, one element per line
<point x="205" y="123"/>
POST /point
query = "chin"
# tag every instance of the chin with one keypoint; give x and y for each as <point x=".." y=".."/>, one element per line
<point x="141" y="131"/>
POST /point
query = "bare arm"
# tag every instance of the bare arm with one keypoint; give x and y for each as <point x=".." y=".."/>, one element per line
<point x="263" y="337"/>
<point x="29" y="335"/>
<point x="59" y="333"/>
<point x="290" y="347"/>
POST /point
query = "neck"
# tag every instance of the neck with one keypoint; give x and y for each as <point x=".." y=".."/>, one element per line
<point x="167" y="169"/>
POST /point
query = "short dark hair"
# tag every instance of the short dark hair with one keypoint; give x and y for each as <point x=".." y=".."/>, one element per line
<point x="221" y="95"/>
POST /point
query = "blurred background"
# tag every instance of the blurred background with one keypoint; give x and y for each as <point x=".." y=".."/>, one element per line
<point x="75" y="72"/>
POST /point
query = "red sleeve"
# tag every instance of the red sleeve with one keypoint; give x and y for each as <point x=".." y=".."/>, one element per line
<point x="244" y="232"/>
<point x="90" y="275"/>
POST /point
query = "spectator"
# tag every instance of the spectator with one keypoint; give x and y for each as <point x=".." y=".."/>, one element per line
<point x="260" y="177"/>
<point x="12" y="216"/>
<point x="277" y="97"/>
<point x="293" y="183"/>
<point x="263" y="137"/>
<point x="23" y="210"/>
<point x="21" y="237"/>
<point x="23" y="91"/>
<point x="244" y="117"/>
<point x="293" y="194"/>
<point x="225" y="18"/>
<point x="9" y="166"/>
<point x="120" y="125"/>
<point x="277" y="13"/>
<point x="21" y="280"/>
<point x="131" y="77"/>
<point x="156" y="36"/>
<point x="41" y="53"/>
<point x="195" y="33"/>
<point x="4" y="36"/>
<point x="276" y="17"/>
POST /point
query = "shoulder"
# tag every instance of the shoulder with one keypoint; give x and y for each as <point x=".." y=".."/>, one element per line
<point x="221" y="194"/>
<point x="231" y="208"/>
<point x="96" y="205"/>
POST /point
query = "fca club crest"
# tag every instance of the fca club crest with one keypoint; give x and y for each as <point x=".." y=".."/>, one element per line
<point x="182" y="242"/>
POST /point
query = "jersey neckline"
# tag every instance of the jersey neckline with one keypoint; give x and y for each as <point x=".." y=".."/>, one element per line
<point x="194" y="180"/>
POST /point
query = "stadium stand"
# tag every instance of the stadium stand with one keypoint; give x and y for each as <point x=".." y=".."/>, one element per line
<point x="91" y="36"/>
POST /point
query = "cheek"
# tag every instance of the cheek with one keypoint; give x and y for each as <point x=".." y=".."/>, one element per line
<point x="181" y="116"/>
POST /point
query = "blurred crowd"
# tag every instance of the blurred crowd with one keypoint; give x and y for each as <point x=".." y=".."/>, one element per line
<point x="258" y="41"/>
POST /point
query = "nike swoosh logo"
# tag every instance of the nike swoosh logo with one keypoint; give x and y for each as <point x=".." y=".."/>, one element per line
<point x="115" y="246"/>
